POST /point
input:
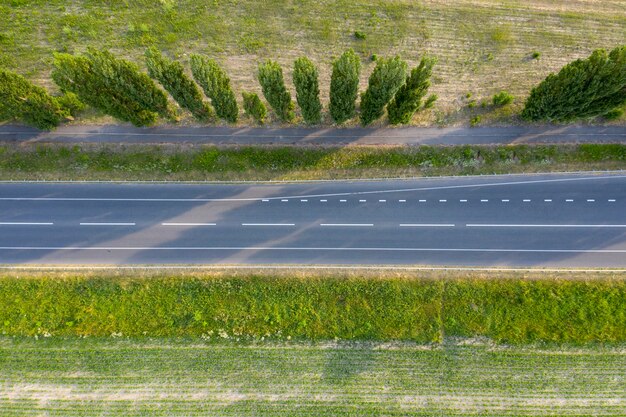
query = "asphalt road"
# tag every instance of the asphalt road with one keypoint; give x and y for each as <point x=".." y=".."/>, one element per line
<point x="318" y="136"/>
<point x="576" y="220"/>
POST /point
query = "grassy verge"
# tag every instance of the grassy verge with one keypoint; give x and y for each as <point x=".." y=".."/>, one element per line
<point x="429" y="308"/>
<point x="165" y="377"/>
<point x="201" y="162"/>
<point x="483" y="46"/>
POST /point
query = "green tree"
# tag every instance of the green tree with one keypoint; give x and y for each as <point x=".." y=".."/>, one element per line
<point x="112" y="85"/>
<point x="388" y="76"/>
<point x="344" y="86"/>
<point x="254" y="107"/>
<point x="272" y="82"/>
<point x="172" y="77"/>
<point x="409" y="97"/>
<point x="305" y="78"/>
<point x="216" y="85"/>
<point x="22" y="100"/>
<point x="582" y="89"/>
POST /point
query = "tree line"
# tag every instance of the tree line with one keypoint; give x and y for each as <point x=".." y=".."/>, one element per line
<point x="584" y="88"/>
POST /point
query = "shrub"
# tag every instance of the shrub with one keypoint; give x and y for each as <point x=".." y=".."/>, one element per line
<point x="216" y="85"/>
<point x="71" y="103"/>
<point x="502" y="98"/>
<point x="254" y="107"/>
<point x="172" y="77"/>
<point x="305" y="78"/>
<point x="471" y="104"/>
<point x="388" y="76"/>
<point x="344" y="86"/>
<point x="273" y="84"/>
<point x="430" y="101"/>
<point x="22" y="100"/>
<point x="409" y="97"/>
<point x="112" y="85"/>
<point x="535" y="55"/>
<point x="359" y="35"/>
<point x="582" y="89"/>
<point x="614" y="114"/>
<point x="474" y="121"/>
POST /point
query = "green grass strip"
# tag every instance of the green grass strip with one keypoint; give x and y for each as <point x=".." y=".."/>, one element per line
<point x="203" y="162"/>
<point x="352" y="307"/>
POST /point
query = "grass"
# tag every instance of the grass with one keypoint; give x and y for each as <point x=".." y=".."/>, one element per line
<point x="483" y="45"/>
<point x="200" y="162"/>
<point x="512" y="308"/>
<point x="174" y="377"/>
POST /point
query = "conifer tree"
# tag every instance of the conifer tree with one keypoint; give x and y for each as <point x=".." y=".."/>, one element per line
<point x="216" y="85"/>
<point x="387" y="78"/>
<point x="409" y="97"/>
<point x="172" y="77"/>
<point x="344" y="86"/>
<point x="583" y="88"/>
<point x="305" y="78"/>
<point x="272" y="82"/>
<point x="254" y="107"/>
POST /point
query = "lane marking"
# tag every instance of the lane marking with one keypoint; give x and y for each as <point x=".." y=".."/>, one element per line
<point x="362" y="201"/>
<point x="547" y="200"/>
<point x="611" y="200"/>
<point x="323" y="201"/>
<point x="265" y="200"/>
<point x="546" y="225"/>
<point x="463" y="201"/>
<point x="591" y="200"/>
<point x="422" y="201"/>
<point x="505" y="201"/>
<point x="484" y="201"/>
<point x="26" y="223"/>
<point x="106" y="224"/>
<point x="284" y="200"/>
<point x="347" y="224"/>
<point x="382" y="201"/>
<point x="427" y="225"/>
<point x="526" y="200"/>
<point x="443" y="201"/>
<point x="401" y="201"/>
<point x="569" y="200"/>
<point x="342" y="201"/>
<point x="304" y="200"/>
<point x="268" y="224"/>
<point x="188" y="224"/>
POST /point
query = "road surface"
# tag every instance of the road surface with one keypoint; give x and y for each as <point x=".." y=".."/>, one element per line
<point x="319" y="136"/>
<point x="575" y="220"/>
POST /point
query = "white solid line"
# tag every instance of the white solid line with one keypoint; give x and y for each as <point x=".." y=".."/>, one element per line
<point x="26" y="223"/>
<point x="347" y="224"/>
<point x="611" y="200"/>
<point x="505" y="201"/>
<point x="427" y="225"/>
<point x="382" y="201"/>
<point x="547" y="200"/>
<point x="187" y="224"/>
<point x="526" y="200"/>
<point x="569" y="200"/>
<point x="107" y="224"/>
<point x="362" y="201"/>
<point x="591" y="200"/>
<point x="401" y="201"/>
<point x="268" y="224"/>
<point x="546" y="225"/>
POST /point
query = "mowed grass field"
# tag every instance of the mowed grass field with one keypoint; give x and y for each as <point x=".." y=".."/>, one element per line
<point x="483" y="46"/>
<point x="170" y="377"/>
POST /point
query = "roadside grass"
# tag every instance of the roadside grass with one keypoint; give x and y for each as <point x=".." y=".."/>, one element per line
<point x="68" y="377"/>
<point x="206" y="162"/>
<point x="505" y="307"/>
<point x="484" y="46"/>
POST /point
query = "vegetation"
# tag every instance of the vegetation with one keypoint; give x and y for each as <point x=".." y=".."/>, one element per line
<point x="112" y="85"/>
<point x="582" y="89"/>
<point x="409" y="97"/>
<point x="306" y="81"/>
<point x="344" y="87"/>
<point x="254" y="107"/>
<point x="430" y="101"/>
<point x="172" y="77"/>
<point x="22" y="100"/>
<point x="385" y="81"/>
<point x="502" y="98"/>
<point x="273" y="84"/>
<point x="216" y="85"/>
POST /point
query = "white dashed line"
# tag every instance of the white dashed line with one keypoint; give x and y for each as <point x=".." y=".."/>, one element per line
<point x="401" y="201"/>
<point x="484" y="201"/>
<point x="362" y="201"/>
<point x="422" y="201"/>
<point x="591" y="200"/>
<point x="304" y="200"/>
<point x="426" y="225"/>
<point x="569" y="200"/>
<point x="505" y="200"/>
<point x="26" y="223"/>
<point x="284" y="200"/>
<point x="187" y="224"/>
<point x="526" y="200"/>
<point x="346" y="224"/>
<point x="547" y="200"/>
<point x="323" y="201"/>
<point x="443" y="201"/>
<point x="107" y="224"/>
<point x="382" y="201"/>
<point x="463" y="201"/>
<point x="268" y="224"/>
<point x="611" y="200"/>
<point x="265" y="200"/>
<point x="343" y="201"/>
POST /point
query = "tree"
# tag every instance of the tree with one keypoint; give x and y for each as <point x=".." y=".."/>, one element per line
<point x="216" y="85"/>
<point x="254" y="107"/>
<point x="344" y="86"/>
<point x="273" y="85"/>
<point x="582" y="89"/>
<point x="112" y="85"/>
<point x="22" y="100"/>
<point x="388" y="76"/>
<point x="305" y="78"/>
<point x="409" y="97"/>
<point x="172" y="77"/>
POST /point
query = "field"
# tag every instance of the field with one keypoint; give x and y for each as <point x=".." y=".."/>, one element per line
<point x="199" y="163"/>
<point x="483" y="46"/>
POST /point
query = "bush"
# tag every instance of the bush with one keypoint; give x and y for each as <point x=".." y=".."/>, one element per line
<point x="305" y="78"/>
<point x="535" y="55"/>
<point x="273" y="84"/>
<point x="344" y="86"/>
<point x="582" y="89"/>
<point x="359" y="35"/>
<point x="409" y="97"/>
<point x="387" y="78"/>
<point x="112" y="85"/>
<point x="70" y="102"/>
<point x="172" y="77"/>
<point x="22" y="100"/>
<point x="502" y="98"/>
<point x="254" y="107"/>
<point x="430" y="101"/>
<point x="216" y="85"/>
<point x="474" y="121"/>
<point x="614" y="114"/>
